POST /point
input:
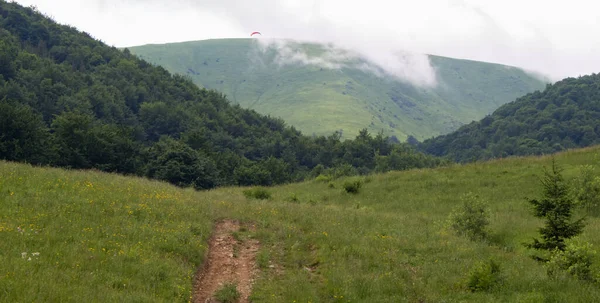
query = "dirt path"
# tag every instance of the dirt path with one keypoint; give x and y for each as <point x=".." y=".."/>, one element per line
<point x="228" y="260"/>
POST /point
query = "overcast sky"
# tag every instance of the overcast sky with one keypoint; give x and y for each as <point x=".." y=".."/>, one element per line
<point x="557" y="38"/>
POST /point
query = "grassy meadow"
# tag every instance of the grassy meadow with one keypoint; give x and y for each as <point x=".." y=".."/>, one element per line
<point x="85" y="236"/>
<point x="321" y="100"/>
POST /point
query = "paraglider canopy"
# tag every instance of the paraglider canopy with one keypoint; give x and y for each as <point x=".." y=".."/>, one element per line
<point x="254" y="33"/>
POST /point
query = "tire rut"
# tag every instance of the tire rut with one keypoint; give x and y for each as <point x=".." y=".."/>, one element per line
<point x="225" y="264"/>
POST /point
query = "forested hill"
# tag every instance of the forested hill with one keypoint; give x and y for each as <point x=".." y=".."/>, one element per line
<point x="69" y="100"/>
<point x="565" y="115"/>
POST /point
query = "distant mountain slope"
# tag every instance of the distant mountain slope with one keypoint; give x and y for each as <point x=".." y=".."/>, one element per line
<point x="320" y="100"/>
<point x="565" y="115"/>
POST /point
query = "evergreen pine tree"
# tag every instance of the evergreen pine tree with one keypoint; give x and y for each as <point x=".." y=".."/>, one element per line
<point x="556" y="208"/>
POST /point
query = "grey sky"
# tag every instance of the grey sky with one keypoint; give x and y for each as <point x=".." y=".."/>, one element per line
<point x="557" y="38"/>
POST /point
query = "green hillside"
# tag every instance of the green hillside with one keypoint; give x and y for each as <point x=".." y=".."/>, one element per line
<point x="564" y="115"/>
<point x="84" y="236"/>
<point x="320" y="100"/>
<point x="71" y="101"/>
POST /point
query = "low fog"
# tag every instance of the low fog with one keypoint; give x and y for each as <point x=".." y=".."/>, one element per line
<point x="556" y="39"/>
<point x="405" y="66"/>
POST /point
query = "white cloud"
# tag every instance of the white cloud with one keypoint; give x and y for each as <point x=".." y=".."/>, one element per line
<point x="405" y="66"/>
<point x="558" y="38"/>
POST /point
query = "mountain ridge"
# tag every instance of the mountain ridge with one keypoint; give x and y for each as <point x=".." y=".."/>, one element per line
<point x="336" y="88"/>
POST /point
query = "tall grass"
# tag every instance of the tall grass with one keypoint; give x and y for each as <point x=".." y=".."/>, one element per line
<point x="97" y="237"/>
<point x="103" y="237"/>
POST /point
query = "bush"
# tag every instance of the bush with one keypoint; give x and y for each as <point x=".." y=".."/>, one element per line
<point x="484" y="276"/>
<point x="323" y="178"/>
<point x="575" y="260"/>
<point x="228" y="293"/>
<point x="293" y="198"/>
<point x="471" y="218"/>
<point x="257" y="193"/>
<point x="352" y="187"/>
<point x="344" y="170"/>
<point x="587" y="190"/>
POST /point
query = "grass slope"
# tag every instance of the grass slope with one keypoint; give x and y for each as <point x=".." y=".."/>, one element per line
<point x="320" y="100"/>
<point x="104" y="238"/>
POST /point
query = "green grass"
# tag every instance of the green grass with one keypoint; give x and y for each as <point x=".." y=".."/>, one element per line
<point x="228" y="293"/>
<point x="320" y="101"/>
<point x="100" y="238"/>
<point x="105" y="238"/>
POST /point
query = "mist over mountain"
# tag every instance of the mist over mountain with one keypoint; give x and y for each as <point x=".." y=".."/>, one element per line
<point x="322" y="88"/>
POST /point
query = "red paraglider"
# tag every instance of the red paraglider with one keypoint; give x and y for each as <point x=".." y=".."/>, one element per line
<point x="254" y="33"/>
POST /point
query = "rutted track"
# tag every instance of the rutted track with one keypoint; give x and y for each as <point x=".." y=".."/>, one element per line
<point x="226" y="264"/>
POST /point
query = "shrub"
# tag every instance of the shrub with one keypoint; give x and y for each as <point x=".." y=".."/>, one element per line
<point x="352" y="187"/>
<point x="344" y="170"/>
<point x="257" y="193"/>
<point x="228" y="293"/>
<point x="587" y="190"/>
<point x="484" y="276"/>
<point x="471" y="218"/>
<point x="323" y="178"/>
<point x="575" y="260"/>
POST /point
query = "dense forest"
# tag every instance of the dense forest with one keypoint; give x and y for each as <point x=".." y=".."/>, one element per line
<point x="69" y="100"/>
<point x="565" y="115"/>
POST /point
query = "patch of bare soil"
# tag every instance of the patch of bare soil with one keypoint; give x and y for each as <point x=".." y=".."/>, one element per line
<point x="228" y="261"/>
